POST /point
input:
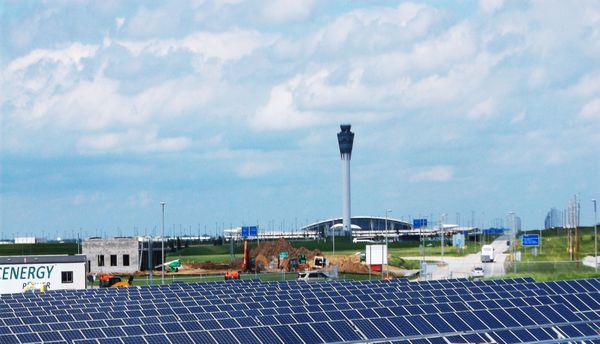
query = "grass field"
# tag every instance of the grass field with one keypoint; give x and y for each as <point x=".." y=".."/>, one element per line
<point x="555" y="246"/>
<point x="37" y="249"/>
<point x="552" y="261"/>
<point x="219" y="277"/>
<point x="343" y="246"/>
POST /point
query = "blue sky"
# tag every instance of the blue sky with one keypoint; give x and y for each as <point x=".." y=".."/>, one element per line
<point x="228" y="111"/>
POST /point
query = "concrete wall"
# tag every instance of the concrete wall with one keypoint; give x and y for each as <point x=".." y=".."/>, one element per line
<point x="95" y="247"/>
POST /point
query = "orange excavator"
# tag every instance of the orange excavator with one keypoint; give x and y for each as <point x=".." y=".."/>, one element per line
<point x="247" y="265"/>
<point x="111" y="281"/>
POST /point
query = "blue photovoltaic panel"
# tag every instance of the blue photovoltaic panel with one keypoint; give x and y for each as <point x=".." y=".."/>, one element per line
<point x="245" y="336"/>
<point x="366" y="309"/>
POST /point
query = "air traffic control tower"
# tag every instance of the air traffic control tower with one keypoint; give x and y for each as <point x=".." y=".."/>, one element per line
<point x="345" y="140"/>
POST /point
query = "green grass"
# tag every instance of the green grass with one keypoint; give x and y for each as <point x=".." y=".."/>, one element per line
<point x="265" y="277"/>
<point x="551" y="271"/>
<point x="545" y="266"/>
<point x="554" y="246"/>
<point x="37" y="249"/>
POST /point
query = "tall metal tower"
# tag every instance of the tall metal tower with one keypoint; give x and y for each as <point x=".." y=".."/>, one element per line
<point x="345" y="140"/>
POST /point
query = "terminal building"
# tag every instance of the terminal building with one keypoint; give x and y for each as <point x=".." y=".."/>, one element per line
<point x="361" y="227"/>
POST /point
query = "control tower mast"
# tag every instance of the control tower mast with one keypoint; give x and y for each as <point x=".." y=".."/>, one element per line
<point x="345" y="140"/>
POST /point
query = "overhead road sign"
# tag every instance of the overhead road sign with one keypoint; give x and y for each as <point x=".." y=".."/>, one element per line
<point x="419" y="223"/>
<point x="249" y="231"/>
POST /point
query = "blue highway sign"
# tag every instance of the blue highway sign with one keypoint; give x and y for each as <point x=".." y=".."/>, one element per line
<point x="530" y="240"/>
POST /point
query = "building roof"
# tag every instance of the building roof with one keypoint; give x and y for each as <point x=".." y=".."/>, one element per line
<point x="76" y="258"/>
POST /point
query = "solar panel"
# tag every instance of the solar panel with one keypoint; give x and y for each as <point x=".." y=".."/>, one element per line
<point x="223" y="336"/>
<point x="368" y="330"/>
<point x="157" y="339"/>
<point x="405" y="326"/>
<point x="266" y="335"/>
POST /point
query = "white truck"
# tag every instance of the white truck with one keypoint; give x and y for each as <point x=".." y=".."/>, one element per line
<point x="487" y="253"/>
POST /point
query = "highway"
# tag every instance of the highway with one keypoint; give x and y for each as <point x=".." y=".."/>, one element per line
<point x="461" y="267"/>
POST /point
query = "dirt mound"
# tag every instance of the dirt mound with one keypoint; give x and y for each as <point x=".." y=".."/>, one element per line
<point x="271" y="249"/>
<point x="349" y="264"/>
<point x="212" y="265"/>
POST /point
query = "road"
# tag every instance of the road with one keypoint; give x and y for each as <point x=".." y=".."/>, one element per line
<point x="461" y="267"/>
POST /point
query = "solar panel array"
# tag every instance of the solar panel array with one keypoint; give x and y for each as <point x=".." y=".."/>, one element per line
<point x="249" y="311"/>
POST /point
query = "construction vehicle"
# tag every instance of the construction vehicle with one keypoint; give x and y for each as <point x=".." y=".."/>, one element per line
<point x="248" y="263"/>
<point x="111" y="281"/>
<point x="33" y="287"/>
<point x="319" y="262"/>
<point x="231" y="275"/>
<point x="172" y="266"/>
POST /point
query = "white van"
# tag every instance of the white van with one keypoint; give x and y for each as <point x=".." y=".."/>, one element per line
<point x="487" y="253"/>
<point x="365" y="240"/>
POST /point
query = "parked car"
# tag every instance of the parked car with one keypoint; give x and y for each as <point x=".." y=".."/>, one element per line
<point x="313" y="276"/>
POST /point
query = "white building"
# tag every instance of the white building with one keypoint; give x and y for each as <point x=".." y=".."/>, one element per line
<point x="122" y="255"/>
<point x="51" y="272"/>
<point x="30" y="240"/>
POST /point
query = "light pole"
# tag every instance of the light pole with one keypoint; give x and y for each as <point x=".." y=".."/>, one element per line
<point x="514" y="237"/>
<point x="386" y="243"/>
<point x="162" y="243"/>
<point x="595" y="235"/>
<point x="443" y="219"/>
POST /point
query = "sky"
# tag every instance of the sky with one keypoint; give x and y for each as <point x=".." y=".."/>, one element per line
<point x="228" y="112"/>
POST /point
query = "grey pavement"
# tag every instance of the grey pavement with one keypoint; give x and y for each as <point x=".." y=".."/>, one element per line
<point x="461" y="267"/>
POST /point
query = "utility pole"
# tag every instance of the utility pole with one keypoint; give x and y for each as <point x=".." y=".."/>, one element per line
<point x="162" y="243"/>
<point x="595" y="236"/>
<point x="442" y="220"/>
<point x="386" y="244"/>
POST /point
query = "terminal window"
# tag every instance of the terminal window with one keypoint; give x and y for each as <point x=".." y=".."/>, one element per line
<point x="67" y="277"/>
<point x="125" y="260"/>
<point x="100" y="260"/>
<point x="113" y="260"/>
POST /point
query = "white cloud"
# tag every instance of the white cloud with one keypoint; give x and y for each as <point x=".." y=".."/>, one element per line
<point x="140" y="199"/>
<point x="280" y="112"/>
<point x="248" y="163"/>
<point x="69" y="55"/>
<point x="250" y="169"/>
<point x="482" y="110"/>
<point x="591" y="110"/>
<point x="119" y="21"/>
<point x="588" y="85"/>
<point x="280" y="11"/>
<point x="439" y="173"/>
<point x="364" y="31"/>
<point x="226" y="46"/>
<point x="130" y="141"/>
<point x="518" y="118"/>
<point x="490" y="6"/>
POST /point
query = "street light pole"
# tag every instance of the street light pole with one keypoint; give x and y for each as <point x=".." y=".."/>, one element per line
<point x="443" y="219"/>
<point x="162" y="243"/>
<point x="595" y="235"/>
<point x="386" y="244"/>
<point x="514" y="238"/>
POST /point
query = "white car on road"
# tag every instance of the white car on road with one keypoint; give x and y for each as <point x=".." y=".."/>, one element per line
<point x="477" y="272"/>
